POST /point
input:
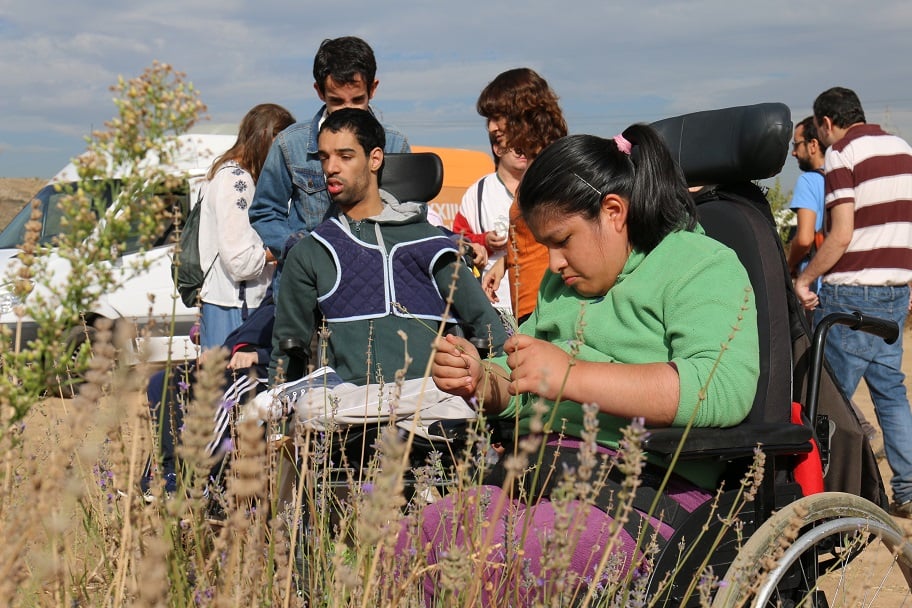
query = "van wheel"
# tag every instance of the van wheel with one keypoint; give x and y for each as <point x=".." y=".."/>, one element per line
<point x="67" y="381"/>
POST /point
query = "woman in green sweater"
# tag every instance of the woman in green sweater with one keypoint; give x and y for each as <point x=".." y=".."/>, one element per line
<point x="631" y="317"/>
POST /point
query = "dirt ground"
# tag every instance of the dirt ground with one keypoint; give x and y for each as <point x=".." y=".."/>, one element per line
<point x="895" y="591"/>
<point x="15" y="192"/>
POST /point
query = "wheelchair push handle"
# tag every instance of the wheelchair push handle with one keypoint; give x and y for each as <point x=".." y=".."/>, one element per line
<point x="882" y="328"/>
<point x="886" y="329"/>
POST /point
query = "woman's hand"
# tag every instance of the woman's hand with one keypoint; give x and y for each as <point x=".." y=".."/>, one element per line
<point x="537" y="366"/>
<point x="457" y="366"/>
<point x="457" y="369"/>
<point x="490" y="282"/>
<point x="243" y="360"/>
<point x="494" y="242"/>
<point x="480" y="256"/>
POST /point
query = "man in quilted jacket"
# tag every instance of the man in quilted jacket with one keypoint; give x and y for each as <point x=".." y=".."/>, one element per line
<point x="379" y="277"/>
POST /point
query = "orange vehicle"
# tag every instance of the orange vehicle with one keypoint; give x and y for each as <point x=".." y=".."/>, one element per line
<point x="461" y="169"/>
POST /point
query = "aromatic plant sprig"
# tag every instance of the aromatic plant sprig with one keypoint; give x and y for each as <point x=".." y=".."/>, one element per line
<point x="127" y="163"/>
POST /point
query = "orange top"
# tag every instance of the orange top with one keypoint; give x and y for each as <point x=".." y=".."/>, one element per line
<point x="527" y="261"/>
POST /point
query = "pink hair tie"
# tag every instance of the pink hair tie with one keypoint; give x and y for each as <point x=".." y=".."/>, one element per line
<point x="622" y="144"/>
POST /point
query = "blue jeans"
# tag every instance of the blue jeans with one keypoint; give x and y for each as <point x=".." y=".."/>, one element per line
<point x="216" y="322"/>
<point x="854" y="355"/>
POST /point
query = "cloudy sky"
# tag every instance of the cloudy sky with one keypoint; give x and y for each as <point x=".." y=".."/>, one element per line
<point x="613" y="62"/>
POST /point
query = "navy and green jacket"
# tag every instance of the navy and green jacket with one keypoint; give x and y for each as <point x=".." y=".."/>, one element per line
<point x="381" y="286"/>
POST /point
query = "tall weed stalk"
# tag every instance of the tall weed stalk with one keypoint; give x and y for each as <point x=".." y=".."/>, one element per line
<point x="293" y="522"/>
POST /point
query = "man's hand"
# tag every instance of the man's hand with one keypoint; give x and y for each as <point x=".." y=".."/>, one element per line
<point x="480" y="256"/>
<point x="808" y="298"/>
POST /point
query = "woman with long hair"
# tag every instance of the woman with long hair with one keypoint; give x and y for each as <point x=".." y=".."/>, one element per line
<point x="237" y="265"/>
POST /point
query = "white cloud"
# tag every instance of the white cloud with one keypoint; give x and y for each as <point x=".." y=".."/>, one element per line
<point x="612" y="63"/>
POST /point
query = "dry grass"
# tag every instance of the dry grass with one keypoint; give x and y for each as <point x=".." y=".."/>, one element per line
<point x="83" y="535"/>
<point x="15" y="192"/>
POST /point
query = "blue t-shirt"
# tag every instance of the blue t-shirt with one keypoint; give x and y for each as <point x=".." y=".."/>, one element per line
<point x="808" y="194"/>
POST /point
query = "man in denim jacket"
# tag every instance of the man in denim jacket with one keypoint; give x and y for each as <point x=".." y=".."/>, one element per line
<point x="344" y="76"/>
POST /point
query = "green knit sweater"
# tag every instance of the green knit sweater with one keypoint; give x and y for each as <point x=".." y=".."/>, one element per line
<point x="679" y="303"/>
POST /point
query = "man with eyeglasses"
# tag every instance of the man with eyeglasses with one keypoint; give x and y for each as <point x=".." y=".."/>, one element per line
<point x="866" y="264"/>
<point x="807" y="198"/>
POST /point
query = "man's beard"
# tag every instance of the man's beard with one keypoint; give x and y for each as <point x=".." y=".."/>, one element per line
<point x="805" y="164"/>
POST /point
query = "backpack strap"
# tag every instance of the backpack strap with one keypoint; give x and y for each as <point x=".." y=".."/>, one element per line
<point x="480" y="191"/>
<point x="199" y="201"/>
<point x="242" y="296"/>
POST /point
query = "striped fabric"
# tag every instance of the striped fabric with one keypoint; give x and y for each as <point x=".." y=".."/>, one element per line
<point x="234" y="395"/>
<point x="872" y="170"/>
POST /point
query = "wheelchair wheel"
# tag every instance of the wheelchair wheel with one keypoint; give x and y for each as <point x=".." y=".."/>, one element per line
<point x="846" y="552"/>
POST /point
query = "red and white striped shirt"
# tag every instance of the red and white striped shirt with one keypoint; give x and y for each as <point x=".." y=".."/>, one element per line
<point x="872" y="170"/>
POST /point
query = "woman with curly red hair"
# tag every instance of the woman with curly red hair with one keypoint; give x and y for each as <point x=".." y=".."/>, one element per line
<point x="523" y="115"/>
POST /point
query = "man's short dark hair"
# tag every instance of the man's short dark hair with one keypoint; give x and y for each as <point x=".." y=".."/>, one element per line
<point x="344" y="59"/>
<point x="361" y="123"/>
<point x="809" y="131"/>
<point x="841" y="105"/>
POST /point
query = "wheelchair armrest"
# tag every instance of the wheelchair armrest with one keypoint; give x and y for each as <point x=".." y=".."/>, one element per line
<point x="735" y="442"/>
<point x="294" y="347"/>
<point x="298" y="353"/>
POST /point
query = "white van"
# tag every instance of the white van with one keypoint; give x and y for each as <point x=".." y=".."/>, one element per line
<point x="131" y="302"/>
<point x="144" y="296"/>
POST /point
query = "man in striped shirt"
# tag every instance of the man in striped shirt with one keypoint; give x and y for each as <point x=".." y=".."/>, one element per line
<point x="866" y="265"/>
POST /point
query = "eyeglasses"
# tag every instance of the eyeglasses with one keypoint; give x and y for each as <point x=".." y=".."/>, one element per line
<point x="795" y="144"/>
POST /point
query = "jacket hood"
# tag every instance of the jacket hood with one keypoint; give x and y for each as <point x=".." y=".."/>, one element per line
<point x="398" y="212"/>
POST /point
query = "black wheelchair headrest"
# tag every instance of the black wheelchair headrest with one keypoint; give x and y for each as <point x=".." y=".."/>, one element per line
<point x="416" y="176"/>
<point x="737" y="144"/>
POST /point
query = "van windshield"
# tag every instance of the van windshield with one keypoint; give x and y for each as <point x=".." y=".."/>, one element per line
<point x="14" y="234"/>
<point x="49" y="197"/>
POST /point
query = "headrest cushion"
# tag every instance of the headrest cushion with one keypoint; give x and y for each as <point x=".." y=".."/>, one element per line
<point x="416" y="176"/>
<point x="737" y="144"/>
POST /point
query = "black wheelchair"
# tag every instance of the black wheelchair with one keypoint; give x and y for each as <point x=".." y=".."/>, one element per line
<point x="352" y="448"/>
<point x="792" y="545"/>
<point x="795" y="545"/>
